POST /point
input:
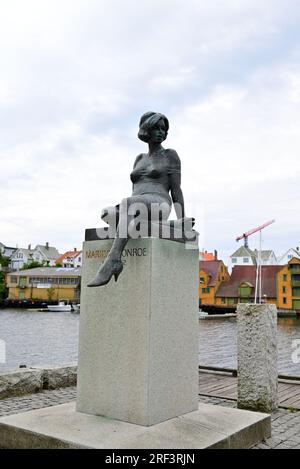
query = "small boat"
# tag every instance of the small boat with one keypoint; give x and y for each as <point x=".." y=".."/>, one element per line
<point x="75" y="309"/>
<point x="63" y="306"/>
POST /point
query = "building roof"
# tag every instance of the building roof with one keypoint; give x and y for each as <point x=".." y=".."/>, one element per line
<point x="242" y="251"/>
<point x="7" y="247"/>
<point x="29" y="252"/>
<point x="247" y="274"/>
<point x="48" y="251"/>
<point x="49" y="272"/>
<point x="211" y="268"/>
<point x="73" y="254"/>
<point x="206" y="256"/>
<point x="265" y="254"/>
<point x="294" y="252"/>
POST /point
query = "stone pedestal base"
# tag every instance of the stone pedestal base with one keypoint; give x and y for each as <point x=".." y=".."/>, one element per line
<point x="62" y="427"/>
<point x="138" y="341"/>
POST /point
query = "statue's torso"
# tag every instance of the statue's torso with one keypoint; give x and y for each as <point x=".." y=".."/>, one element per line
<point x="151" y="174"/>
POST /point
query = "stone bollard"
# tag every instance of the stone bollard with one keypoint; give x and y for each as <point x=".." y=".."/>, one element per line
<point x="257" y="357"/>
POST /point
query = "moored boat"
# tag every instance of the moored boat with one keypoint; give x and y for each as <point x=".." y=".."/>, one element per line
<point x="63" y="306"/>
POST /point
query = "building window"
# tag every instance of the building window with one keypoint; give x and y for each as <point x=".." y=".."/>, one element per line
<point x="289" y="256"/>
<point x="223" y="301"/>
<point x="205" y="290"/>
<point x="23" y="281"/>
<point x="234" y="260"/>
<point x="284" y="277"/>
<point x="283" y="289"/>
<point x="202" y="280"/>
<point x="284" y="300"/>
<point x="246" y="260"/>
<point x="13" y="279"/>
<point x="223" y="278"/>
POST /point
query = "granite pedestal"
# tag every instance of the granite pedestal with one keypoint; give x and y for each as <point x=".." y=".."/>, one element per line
<point x="138" y="344"/>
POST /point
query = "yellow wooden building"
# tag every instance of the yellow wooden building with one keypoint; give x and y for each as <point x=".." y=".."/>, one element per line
<point x="45" y="283"/>
<point x="288" y="285"/>
<point x="211" y="275"/>
<point x="280" y="286"/>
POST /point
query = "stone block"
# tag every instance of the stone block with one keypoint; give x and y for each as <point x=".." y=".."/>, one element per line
<point x="20" y="382"/>
<point x="257" y="357"/>
<point x="60" y="426"/>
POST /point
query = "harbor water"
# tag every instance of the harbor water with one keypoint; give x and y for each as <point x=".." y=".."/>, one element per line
<point x="43" y="338"/>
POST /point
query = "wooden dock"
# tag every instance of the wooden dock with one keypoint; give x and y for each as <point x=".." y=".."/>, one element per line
<point x="224" y="385"/>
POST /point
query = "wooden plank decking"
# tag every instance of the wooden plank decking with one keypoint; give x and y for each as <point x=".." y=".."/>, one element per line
<point x="225" y="385"/>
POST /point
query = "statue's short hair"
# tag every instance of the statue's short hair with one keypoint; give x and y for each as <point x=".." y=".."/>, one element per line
<point x="147" y="122"/>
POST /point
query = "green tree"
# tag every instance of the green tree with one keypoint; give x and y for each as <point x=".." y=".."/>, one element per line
<point x="51" y="293"/>
<point x="3" y="288"/>
<point x="4" y="261"/>
<point x="32" y="265"/>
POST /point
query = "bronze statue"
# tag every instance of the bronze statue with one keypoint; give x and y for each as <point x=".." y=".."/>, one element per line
<point x="155" y="176"/>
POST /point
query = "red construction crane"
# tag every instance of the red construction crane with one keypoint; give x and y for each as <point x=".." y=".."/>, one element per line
<point x="258" y="281"/>
<point x="249" y="233"/>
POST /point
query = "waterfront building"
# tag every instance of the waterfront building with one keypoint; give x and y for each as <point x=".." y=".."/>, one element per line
<point x="211" y="275"/>
<point x="6" y="251"/>
<point x="288" y="285"/>
<point x="288" y="255"/>
<point x="207" y="256"/>
<point x="247" y="257"/>
<point x="45" y="283"/>
<point x="46" y="254"/>
<point x="20" y="257"/>
<point x="241" y="286"/>
<point x="70" y="259"/>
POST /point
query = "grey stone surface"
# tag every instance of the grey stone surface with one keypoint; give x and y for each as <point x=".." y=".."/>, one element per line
<point x="35" y="379"/>
<point x="18" y="382"/>
<point x="62" y="427"/>
<point x="59" y="376"/>
<point x="138" y="340"/>
<point x="257" y="357"/>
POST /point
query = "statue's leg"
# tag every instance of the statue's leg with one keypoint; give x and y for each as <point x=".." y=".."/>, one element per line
<point x="110" y="215"/>
<point x="127" y="217"/>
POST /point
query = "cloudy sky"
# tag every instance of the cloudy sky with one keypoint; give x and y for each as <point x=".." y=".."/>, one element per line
<point x="75" y="76"/>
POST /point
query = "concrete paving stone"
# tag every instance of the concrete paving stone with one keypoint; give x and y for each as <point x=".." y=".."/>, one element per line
<point x="273" y="442"/>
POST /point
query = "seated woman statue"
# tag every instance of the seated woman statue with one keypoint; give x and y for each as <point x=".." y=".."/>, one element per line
<point x="155" y="174"/>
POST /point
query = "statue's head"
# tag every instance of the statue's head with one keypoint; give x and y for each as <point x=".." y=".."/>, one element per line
<point x="148" y="122"/>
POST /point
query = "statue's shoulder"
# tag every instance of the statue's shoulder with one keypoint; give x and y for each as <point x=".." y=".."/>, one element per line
<point x="138" y="158"/>
<point x="173" y="156"/>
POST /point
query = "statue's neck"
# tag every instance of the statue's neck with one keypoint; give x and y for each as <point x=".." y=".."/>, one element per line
<point x="154" y="148"/>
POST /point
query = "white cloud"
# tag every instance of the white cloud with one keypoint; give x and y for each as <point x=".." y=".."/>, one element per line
<point x="76" y="76"/>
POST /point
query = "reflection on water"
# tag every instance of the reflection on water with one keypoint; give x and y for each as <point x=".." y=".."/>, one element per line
<point x="217" y="343"/>
<point x="45" y="338"/>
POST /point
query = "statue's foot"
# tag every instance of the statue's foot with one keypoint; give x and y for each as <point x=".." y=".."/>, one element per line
<point x="110" y="268"/>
